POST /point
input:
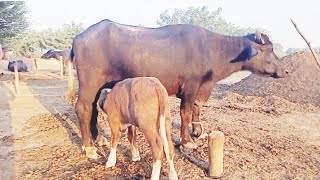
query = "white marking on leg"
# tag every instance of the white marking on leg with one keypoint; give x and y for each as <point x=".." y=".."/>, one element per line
<point x="172" y="174"/>
<point x="112" y="158"/>
<point x="155" y="175"/>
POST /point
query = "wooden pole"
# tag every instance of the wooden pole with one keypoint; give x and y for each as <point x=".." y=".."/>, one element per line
<point x="16" y="77"/>
<point x="61" y="67"/>
<point x="216" y="143"/>
<point x="35" y="64"/>
<point x="308" y="43"/>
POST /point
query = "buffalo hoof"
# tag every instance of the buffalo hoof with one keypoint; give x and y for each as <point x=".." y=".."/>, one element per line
<point x="190" y="145"/>
<point x="102" y="141"/>
<point x="197" y="129"/>
<point x="91" y="152"/>
<point x="202" y="136"/>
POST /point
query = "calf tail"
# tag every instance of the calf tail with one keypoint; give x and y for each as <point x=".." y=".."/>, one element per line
<point x="71" y="94"/>
<point x="162" y="99"/>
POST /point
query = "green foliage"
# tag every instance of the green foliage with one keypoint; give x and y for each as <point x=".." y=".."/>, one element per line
<point x="13" y="19"/>
<point x="213" y="21"/>
<point x="33" y="41"/>
<point x="201" y="16"/>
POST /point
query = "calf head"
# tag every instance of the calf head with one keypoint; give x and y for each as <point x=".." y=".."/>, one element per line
<point x="260" y="58"/>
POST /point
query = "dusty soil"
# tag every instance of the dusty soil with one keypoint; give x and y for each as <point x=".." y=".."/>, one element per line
<point x="301" y="86"/>
<point x="269" y="135"/>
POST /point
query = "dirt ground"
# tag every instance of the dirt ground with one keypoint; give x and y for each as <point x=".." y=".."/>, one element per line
<point x="268" y="136"/>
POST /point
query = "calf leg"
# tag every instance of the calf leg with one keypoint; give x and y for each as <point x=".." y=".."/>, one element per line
<point x="156" y="144"/>
<point x="115" y="134"/>
<point x="132" y="140"/>
<point x="170" y="152"/>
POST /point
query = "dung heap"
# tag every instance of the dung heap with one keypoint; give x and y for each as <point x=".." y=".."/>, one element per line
<point x="302" y="85"/>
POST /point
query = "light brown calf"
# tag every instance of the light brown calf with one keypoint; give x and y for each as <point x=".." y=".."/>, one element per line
<point x="140" y="102"/>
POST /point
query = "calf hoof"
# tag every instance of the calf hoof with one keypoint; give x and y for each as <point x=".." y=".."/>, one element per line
<point x="136" y="158"/>
<point x="110" y="164"/>
<point x="102" y="141"/>
<point x="173" y="175"/>
<point x="91" y="152"/>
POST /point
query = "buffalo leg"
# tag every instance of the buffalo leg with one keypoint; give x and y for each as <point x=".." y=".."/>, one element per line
<point x="86" y="109"/>
<point x="84" y="112"/>
<point x="196" y="126"/>
<point x="186" y="108"/>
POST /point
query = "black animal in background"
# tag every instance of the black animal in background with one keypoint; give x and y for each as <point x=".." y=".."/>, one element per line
<point x="22" y="67"/>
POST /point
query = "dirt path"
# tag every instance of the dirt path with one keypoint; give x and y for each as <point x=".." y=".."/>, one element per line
<point x="266" y="138"/>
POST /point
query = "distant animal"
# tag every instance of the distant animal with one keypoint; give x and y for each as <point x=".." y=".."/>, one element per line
<point x="22" y="67"/>
<point x="188" y="60"/>
<point x="140" y="102"/>
<point x="56" y="54"/>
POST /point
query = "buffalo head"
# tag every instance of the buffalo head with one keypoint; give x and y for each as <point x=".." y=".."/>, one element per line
<point x="49" y="54"/>
<point x="259" y="57"/>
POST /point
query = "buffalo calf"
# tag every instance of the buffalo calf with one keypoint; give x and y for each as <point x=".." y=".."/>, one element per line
<point x="140" y="102"/>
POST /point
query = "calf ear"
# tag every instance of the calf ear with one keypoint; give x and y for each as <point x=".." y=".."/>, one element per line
<point x="246" y="54"/>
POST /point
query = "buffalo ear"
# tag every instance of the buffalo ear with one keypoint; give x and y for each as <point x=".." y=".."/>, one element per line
<point x="251" y="52"/>
<point x="246" y="54"/>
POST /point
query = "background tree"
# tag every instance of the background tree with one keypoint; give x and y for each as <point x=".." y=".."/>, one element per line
<point x="31" y="42"/>
<point x="201" y="16"/>
<point x="213" y="21"/>
<point x="13" y="19"/>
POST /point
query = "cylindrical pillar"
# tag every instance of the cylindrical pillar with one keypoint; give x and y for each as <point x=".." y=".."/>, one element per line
<point x="216" y="145"/>
<point x="16" y="77"/>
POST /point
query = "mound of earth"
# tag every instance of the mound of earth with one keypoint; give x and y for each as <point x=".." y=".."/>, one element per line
<point x="302" y="85"/>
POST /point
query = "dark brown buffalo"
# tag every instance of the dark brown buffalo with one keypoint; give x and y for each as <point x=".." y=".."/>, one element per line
<point x="56" y="54"/>
<point x="21" y="66"/>
<point x="187" y="59"/>
<point x="65" y="54"/>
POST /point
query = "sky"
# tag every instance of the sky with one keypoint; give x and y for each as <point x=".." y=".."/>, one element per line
<point x="273" y="15"/>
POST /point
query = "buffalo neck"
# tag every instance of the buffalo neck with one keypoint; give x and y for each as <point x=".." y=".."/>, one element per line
<point x="225" y="49"/>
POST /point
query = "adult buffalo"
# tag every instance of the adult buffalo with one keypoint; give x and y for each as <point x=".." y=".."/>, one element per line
<point x="65" y="54"/>
<point x="21" y="66"/>
<point x="187" y="59"/>
<point x="56" y="54"/>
